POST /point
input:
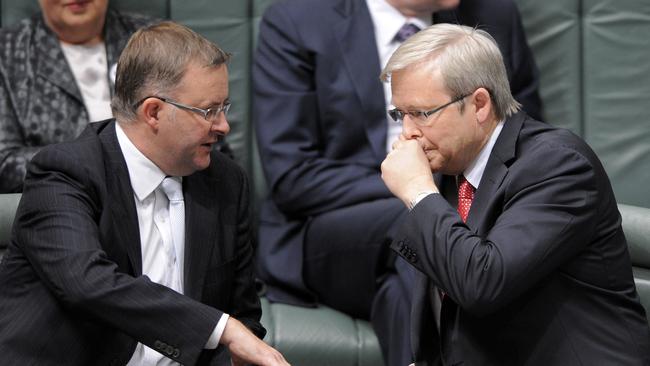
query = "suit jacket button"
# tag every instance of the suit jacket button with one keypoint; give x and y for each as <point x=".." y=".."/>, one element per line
<point x="169" y="350"/>
<point x="158" y="344"/>
<point x="177" y="353"/>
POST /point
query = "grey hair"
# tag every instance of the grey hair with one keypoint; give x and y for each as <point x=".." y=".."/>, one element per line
<point x="467" y="59"/>
<point x="154" y="61"/>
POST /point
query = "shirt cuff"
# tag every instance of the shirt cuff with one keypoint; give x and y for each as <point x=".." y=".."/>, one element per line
<point x="419" y="197"/>
<point x="215" y="337"/>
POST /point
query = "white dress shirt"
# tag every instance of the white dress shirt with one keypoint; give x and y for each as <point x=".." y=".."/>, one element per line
<point x="474" y="171"/>
<point x="162" y="260"/>
<point x="90" y="69"/>
<point x="387" y="22"/>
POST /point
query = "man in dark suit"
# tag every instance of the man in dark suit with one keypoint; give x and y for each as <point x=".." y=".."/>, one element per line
<point x="323" y="131"/>
<point x="131" y="244"/>
<point x="518" y="242"/>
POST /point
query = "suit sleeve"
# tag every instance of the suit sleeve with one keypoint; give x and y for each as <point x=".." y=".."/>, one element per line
<point x="14" y="154"/>
<point x="56" y="228"/>
<point x="548" y="216"/>
<point x="290" y="122"/>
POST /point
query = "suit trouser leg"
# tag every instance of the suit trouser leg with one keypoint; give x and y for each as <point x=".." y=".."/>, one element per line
<point x="391" y="313"/>
<point x="347" y="253"/>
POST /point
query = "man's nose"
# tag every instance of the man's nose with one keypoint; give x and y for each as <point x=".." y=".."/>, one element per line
<point x="410" y="129"/>
<point x="221" y="125"/>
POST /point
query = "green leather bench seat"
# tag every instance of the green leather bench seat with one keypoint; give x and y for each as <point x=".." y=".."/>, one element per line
<point x="636" y="224"/>
<point x="320" y="336"/>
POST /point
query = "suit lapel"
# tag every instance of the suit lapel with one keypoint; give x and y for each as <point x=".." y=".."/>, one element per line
<point x="202" y="223"/>
<point x="51" y="63"/>
<point x="121" y="202"/>
<point x="496" y="170"/>
<point x="359" y="54"/>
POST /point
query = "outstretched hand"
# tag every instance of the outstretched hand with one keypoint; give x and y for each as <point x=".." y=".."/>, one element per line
<point x="245" y="348"/>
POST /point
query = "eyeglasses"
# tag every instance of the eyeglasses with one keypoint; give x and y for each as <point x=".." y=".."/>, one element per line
<point x="211" y="114"/>
<point x="420" y="117"/>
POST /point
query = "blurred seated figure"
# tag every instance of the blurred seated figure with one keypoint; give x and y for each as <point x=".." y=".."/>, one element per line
<point x="57" y="71"/>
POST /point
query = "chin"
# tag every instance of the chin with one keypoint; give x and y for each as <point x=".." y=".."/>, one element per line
<point x="202" y="163"/>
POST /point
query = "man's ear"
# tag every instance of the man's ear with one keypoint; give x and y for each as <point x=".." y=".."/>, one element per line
<point x="482" y="104"/>
<point x="150" y="112"/>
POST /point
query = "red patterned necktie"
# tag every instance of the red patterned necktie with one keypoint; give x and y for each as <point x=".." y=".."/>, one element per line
<point x="465" y="197"/>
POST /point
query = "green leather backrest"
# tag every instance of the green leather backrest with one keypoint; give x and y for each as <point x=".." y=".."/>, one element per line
<point x="616" y="69"/>
<point x="553" y="31"/>
<point x="227" y="23"/>
<point x="595" y="79"/>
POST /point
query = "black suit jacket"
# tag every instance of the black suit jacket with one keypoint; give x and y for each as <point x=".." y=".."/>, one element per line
<point x="539" y="275"/>
<point x="320" y="116"/>
<point x="71" y="284"/>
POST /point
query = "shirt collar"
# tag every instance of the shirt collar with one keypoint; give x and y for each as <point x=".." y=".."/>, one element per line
<point x="388" y="20"/>
<point x="474" y="172"/>
<point x="144" y="174"/>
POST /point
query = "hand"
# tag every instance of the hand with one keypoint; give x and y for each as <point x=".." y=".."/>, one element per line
<point x="406" y="171"/>
<point x="245" y="348"/>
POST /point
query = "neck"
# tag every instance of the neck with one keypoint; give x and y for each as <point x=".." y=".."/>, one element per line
<point x="81" y="40"/>
<point x="86" y="34"/>
<point x="141" y="139"/>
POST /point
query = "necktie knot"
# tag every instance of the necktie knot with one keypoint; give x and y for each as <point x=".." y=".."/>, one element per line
<point x="172" y="188"/>
<point x="407" y="30"/>
<point x="465" y="197"/>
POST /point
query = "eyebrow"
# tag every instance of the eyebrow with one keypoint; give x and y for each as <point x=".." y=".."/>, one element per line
<point x="214" y="104"/>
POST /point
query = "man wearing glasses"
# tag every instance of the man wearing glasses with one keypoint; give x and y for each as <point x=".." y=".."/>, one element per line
<point x="132" y="244"/>
<point x="517" y="238"/>
<point x="323" y="131"/>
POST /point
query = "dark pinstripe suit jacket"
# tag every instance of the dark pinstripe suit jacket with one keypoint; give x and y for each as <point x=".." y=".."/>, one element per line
<point x="71" y="289"/>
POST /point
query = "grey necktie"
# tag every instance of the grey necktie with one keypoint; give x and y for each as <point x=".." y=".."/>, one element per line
<point x="174" y="190"/>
